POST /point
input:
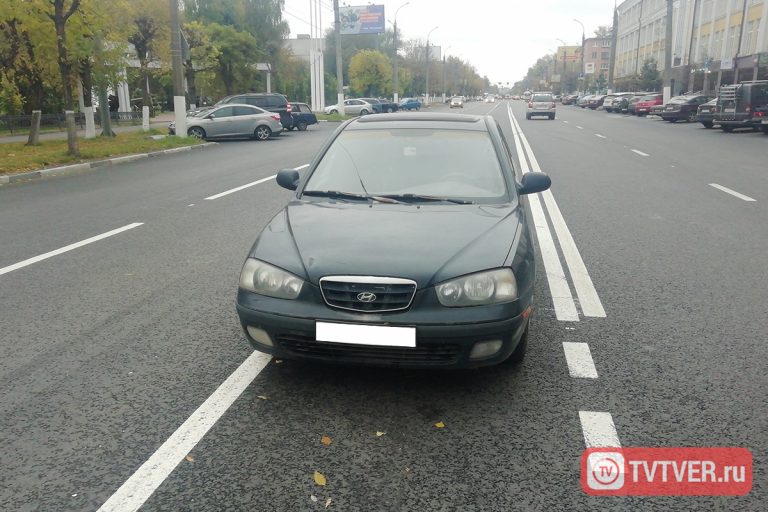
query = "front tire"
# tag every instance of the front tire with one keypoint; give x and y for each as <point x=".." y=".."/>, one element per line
<point x="708" y="124"/>
<point x="692" y="117"/>
<point x="726" y="128"/>
<point x="302" y="126"/>
<point x="390" y="110"/>
<point x="334" y="111"/>
<point x="196" y="132"/>
<point x="364" y="112"/>
<point x="527" y="117"/>
<point x="552" y="117"/>
<point x="262" y="133"/>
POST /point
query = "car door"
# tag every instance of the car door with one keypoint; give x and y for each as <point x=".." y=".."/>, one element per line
<point x="244" y="120"/>
<point x="220" y="125"/>
<point x="352" y="107"/>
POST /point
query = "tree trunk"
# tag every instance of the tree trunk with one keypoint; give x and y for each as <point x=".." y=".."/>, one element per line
<point x="60" y="18"/>
<point x="189" y="71"/>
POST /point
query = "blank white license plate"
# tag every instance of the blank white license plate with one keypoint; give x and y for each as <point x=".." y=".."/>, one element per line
<point x="729" y="110"/>
<point x="378" y="335"/>
<point x="764" y="121"/>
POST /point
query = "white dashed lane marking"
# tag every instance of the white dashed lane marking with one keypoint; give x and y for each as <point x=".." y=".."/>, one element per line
<point x="598" y="429"/>
<point x="637" y="151"/>
<point x="732" y="192"/>
<point x="579" y="359"/>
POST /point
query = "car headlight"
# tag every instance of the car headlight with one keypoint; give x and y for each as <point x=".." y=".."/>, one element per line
<point x="482" y="288"/>
<point x="266" y="279"/>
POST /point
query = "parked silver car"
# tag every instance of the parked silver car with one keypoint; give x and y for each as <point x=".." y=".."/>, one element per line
<point x="352" y="107"/>
<point x="233" y="120"/>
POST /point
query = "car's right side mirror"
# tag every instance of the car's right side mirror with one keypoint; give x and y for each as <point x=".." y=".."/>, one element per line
<point x="288" y="178"/>
<point x="534" y="182"/>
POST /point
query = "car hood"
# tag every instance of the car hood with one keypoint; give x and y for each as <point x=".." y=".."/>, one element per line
<point x="428" y="243"/>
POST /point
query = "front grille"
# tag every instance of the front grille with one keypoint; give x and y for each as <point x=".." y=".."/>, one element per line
<point x="367" y="294"/>
<point x="428" y="355"/>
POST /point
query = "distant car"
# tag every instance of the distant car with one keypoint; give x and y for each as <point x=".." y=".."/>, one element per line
<point x="584" y="100"/>
<point x="569" y="99"/>
<point x="608" y="102"/>
<point x="643" y="107"/>
<point x="632" y="104"/>
<point x="737" y="103"/>
<point x="327" y="281"/>
<point x="302" y="116"/>
<point x="490" y="98"/>
<point x="706" y="113"/>
<point x="760" y="118"/>
<point x="457" y="102"/>
<point x="683" y="108"/>
<point x="387" y="105"/>
<point x="409" y="104"/>
<point x="596" y="101"/>
<point x="541" y="104"/>
<point x="231" y="121"/>
<point x="352" y="107"/>
<point x="376" y="103"/>
<point x="273" y="102"/>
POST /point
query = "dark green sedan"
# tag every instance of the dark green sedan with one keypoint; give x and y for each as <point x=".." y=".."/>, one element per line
<point x="406" y="244"/>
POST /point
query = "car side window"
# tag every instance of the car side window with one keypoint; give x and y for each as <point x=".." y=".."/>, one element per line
<point x="224" y="112"/>
<point x="256" y="101"/>
<point x="305" y="109"/>
<point x="245" y="111"/>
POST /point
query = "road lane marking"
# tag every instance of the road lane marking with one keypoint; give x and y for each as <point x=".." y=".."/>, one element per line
<point x="566" y="122"/>
<point x="67" y="248"/>
<point x="598" y="430"/>
<point x="579" y="127"/>
<point x="140" y="486"/>
<point x="562" y="300"/>
<point x="579" y="359"/>
<point x="248" y="185"/>
<point x="589" y="301"/>
<point x="640" y="152"/>
<point x="601" y="136"/>
<point x="732" y="192"/>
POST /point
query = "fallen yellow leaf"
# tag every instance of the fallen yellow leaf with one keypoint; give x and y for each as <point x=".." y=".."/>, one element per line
<point x="320" y="478"/>
<point x="379" y="434"/>
<point x="440" y="424"/>
<point x="326" y="440"/>
<point x="189" y="458"/>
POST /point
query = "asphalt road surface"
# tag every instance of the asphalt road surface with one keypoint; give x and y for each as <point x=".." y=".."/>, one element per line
<point x="126" y="382"/>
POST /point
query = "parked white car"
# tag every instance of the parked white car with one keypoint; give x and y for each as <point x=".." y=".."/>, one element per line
<point x="352" y="107"/>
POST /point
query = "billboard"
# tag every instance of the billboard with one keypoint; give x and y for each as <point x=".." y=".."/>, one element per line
<point x="362" y="19"/>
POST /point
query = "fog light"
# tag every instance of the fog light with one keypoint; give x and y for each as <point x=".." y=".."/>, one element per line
<point x="260" y="336"/>
<point x="483" y="349"/>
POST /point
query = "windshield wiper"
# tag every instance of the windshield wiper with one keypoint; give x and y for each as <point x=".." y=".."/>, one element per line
<point x="336" y="194"/>
<point x="421" y="197"/>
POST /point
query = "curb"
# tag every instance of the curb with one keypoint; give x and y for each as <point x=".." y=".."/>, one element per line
<point x="71" y="169"/>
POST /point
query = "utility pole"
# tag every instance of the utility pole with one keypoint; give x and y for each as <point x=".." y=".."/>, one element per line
<point x="581" y="73"/>
<point x="669" y="83"/>
<point x="179" y="102"/>
<point x="396" y="77"/>
<point x="426" y="85"/>
<point x="614" y="35"/>
<point x="339" y="71"/>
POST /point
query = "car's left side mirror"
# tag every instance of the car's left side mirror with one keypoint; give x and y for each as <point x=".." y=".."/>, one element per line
<point x="534" y="182"/>
<point x="288" y="178"/>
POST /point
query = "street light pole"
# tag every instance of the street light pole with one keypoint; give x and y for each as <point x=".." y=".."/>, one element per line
<point x="339" y="70"/>
<point x="426" y="85"/>
<point x="179" y="101"/>
<point x="444" y="52"/>
<point x="394" y="57"/>
<point x="581" y="73"/>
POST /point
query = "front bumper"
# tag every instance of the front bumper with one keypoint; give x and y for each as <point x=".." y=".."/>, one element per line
<point x="444" y="338"/>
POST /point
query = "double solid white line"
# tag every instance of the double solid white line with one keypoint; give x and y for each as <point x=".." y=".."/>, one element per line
<point x="565" y="307"/>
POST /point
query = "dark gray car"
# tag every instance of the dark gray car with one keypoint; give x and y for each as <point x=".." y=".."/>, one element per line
<point x="360" y="268"/>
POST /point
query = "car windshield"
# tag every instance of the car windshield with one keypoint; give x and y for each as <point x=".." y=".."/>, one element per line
<point x="651" y="97"/>
<point x="680" y="99"/>
<point x="542" y="97"/>
<point x="435" y="162"/>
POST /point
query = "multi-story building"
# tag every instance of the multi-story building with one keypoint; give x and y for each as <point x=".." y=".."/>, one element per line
<point x="597" y="55"/>
<point x="714" y="42"/>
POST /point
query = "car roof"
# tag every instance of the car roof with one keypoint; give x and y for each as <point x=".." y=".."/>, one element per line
<point x="237" y="105"/>
<point x="420" y="120"/>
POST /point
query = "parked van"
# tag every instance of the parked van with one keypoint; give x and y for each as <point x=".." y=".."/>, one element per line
<point x="737" y="103"/>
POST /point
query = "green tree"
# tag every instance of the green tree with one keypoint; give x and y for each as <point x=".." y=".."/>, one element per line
<point x="370" y="73"/>
<point x="235" y="59"/>
<point x="650" y="78"/>
<point x="203" y="56"/>
<point x="150" y="37"/>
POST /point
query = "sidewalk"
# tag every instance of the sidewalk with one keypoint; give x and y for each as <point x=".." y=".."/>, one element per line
<point x="159" y="123"/>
